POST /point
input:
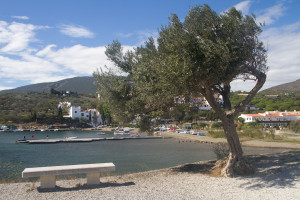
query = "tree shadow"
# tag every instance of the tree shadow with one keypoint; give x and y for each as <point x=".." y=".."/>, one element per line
<point x="203" y="167"/>
<point x="274" y="170"/>
<point x="85" y="187"/>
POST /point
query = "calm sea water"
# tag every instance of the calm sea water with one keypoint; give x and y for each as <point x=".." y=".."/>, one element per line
<point x="128" y="155"/>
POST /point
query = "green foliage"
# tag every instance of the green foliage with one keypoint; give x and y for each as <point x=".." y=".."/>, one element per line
<point x="202" y="125"/>
<point x="217" y="125"/>
<point x="251" y="125"/>
<point x="221" y="150"/>
<point x="200" y="55"/>
<point x="144" y="124"/>
<point x="216" y="134"/>
<point x="22" y="108"/>
<point x="60" y="114"/>
<point x="281" y="101"/>
<point x="252" y="133"/>
<point x="295" y="126"/>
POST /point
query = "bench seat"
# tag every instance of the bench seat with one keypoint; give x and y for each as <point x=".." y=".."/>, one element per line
<point x="47" y="174"/>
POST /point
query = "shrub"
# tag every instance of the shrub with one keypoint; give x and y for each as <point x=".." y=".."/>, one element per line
<point x="295" y="126"/>
<point x="221" y="150"/>
<point x="252" y="132"/>
<point x="217" y="125"/>
<point x="216" y="134"/>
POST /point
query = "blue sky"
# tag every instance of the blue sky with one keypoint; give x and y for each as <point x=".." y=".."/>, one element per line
<point x="50" y="40"/>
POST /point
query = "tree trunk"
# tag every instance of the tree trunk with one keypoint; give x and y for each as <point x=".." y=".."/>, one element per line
<point x="235" y="163"/>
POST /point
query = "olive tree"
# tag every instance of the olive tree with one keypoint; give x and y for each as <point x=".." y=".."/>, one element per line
<point x="201" y="55"/>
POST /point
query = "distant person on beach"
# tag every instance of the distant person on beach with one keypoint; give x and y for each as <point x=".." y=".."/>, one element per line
<point x="32" y="136"/>
<point x="24" y="137"/>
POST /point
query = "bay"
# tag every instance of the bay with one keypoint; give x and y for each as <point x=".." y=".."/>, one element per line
<point x="128" y="155"/>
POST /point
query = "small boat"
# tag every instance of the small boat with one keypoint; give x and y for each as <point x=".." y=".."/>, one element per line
<point x="201" y="134"/>
<point x="101" y="133"/>
<point x="22" y="141"/>
<point x="70" y="138"/>
<point x="42" y="130"/>
<point x="18" y="130"/>
<point x="121" y="133"/>
<point x="56" y="129"/>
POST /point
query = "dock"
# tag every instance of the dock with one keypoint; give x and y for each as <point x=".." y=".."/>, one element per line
<point x="76" y="140"/>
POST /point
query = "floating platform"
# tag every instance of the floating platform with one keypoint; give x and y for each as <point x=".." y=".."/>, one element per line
<point x="52" y="141"/>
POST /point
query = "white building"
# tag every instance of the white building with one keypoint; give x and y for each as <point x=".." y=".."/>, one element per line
<point x="91" y="115"/>
<point x="202" y="104"/>
<point x="272" y="118"/>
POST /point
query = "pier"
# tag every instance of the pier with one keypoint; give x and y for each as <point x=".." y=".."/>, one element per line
<point x="65" y="140"/>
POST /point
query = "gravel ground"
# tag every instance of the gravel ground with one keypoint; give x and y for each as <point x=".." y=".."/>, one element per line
<point x="277" y="177"/>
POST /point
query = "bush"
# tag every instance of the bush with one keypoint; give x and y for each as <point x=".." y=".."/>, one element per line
<point x="216" y="134"/>
<point x="252" y="132"/>
<point x="217" y="125"/>
<point x="221" y="150"/>
<point x="295" y="126"/>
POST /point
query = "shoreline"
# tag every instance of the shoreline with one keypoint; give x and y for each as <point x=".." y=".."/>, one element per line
<point x="277" y="177"/>
<point x="250" y="143"/>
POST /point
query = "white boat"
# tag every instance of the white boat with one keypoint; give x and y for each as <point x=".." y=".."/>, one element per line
<point x="69" y="138"/>
<point x="121" y="133"/>
<point x="42" y="130"/>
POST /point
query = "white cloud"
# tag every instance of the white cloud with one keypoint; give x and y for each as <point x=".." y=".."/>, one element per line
<point x="76" y="59"/>
<point x="76" y="31"/>
<point x="270" y="15"/>
<point x="124" y="35"/>
<point x="243" y="6"/>
<point x="15" y="37"/>
<point x="5" y="88"/>
<point x="283" y="45"/>
<point x="20" y="17"/>
<point x="283" y="54"/>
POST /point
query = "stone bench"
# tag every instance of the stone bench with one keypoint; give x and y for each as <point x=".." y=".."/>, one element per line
<point x="47" y="174"/>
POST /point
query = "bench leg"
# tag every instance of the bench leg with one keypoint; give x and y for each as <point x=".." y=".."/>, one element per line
<point x="93" y="178"/>
<point x="48" y="181"/>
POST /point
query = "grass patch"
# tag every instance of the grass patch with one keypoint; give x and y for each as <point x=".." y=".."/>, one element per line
<point x="216" y="134"/>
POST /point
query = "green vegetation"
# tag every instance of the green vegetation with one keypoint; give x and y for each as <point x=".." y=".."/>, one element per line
<point x="295" y="126"/>
<point x="39" y="107"/>
<point x="201" y="55"/>
<point x="281" y="101"/>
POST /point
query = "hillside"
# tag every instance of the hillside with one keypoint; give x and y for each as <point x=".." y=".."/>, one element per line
<point x="287" y="87"/>
<point x="81" y="85"/>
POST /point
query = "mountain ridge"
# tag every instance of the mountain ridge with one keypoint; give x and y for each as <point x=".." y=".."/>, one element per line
<point x="81" y="85"/>
<point x="285" y="87"/>
<point x="87" y="85"/>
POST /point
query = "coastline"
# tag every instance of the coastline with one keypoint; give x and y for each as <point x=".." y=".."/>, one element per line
<point x="250" y="143"/>
<point x="277" y="177"/>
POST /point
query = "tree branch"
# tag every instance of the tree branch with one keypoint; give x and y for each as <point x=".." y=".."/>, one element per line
<point x="261" y="78"/>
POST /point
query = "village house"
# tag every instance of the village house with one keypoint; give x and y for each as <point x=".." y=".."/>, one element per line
<point x="272" y="118"/>
<point x="200" y="103"/>
<point x="90" y="115"/>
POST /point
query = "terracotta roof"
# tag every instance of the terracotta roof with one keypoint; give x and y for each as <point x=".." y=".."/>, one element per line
<point x="272" y="114"/>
